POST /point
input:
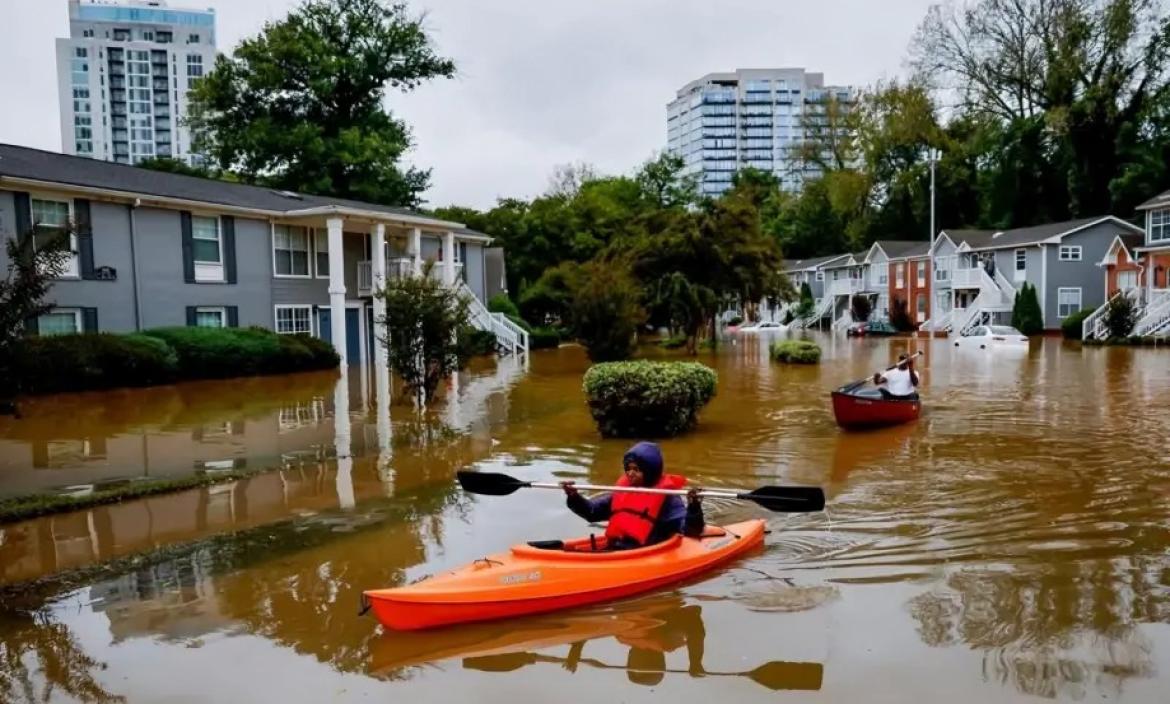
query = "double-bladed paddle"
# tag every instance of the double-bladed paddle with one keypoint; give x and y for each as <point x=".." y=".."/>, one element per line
<point x="789" y="499"/>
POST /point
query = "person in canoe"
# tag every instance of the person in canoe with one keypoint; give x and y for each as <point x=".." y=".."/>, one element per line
<point x="638" y="520"/>
<point x="899" y="383"/>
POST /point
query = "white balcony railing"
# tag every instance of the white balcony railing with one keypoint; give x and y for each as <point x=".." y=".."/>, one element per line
<point x="846" y="287"/>
<point x="966" y="277"/>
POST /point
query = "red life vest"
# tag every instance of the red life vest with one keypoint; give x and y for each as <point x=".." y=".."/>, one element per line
<point x="632" y="515"/>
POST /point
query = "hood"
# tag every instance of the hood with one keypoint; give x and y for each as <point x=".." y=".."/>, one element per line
<point x="648" y="457"/>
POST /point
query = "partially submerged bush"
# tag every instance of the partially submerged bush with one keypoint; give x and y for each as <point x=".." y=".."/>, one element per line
<point x="542" y="338"/>
<point x="217" y="353"/>
<point x="795" y="352"/>
<point x="647" y="399"/>
<point x="57" y="363"/>
<point x="1073" y="326"/>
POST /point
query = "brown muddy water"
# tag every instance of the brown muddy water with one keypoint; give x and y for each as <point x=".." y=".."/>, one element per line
<point x="1009" y="546"/>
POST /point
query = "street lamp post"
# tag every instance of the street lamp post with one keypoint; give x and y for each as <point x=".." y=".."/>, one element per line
<point x="932" y="156"/>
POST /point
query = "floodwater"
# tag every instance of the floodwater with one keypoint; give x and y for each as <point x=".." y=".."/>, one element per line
<point x="1009" y="546"/>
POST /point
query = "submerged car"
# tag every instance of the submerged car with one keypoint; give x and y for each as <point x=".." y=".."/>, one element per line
<point x="763" y="326"/>
<point x="873" y="327"/>
<point x="993" y="336"/>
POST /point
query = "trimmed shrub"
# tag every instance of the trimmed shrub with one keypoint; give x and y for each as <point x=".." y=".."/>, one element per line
<point x="1072" y="326"/>
<point x="1121" y="316"/>
<point x="217" y="353"/>
<point x="543" y="338"/>
<point x="795" y="352"/>
<point x="647" y="399"/>
<point x="92" y="361"/>
<point x="1026" y="315"/>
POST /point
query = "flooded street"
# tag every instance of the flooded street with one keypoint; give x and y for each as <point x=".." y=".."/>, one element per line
<point x="1009" y="546"/>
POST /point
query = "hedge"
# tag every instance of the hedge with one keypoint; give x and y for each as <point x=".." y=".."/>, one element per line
<point x="795" y="352"/>
<point x="544" y="337"/>
<point x="92" y="361"/>
<point x="1072" y="326"/>
<point x="647" y="399"/>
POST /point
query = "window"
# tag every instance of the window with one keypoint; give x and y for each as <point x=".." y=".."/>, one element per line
<point x="192" y="38"/>
<point x="290" y="246"/>
<point x="294" y="319"/>
<point x="1070" y="253"/>
<point x="1022" y="260"/>
<point x="50" y="218"/>
<point x="87" y="32"/>
<point x="1068" y="301"/>
<point x="1126" y="280"/>
<point x="210" y="317"/>
<point x="206" y="248"/>
<point x="59" y="322"/>
<point x="321" y="249"/>
<point x="920" y="276"/>
<point x="900" y="275"/>
<point x="1159" y="225"/>
<point x="194" y="65"/>
<point x="820" y="275"/>
<point x="920" y="304"/>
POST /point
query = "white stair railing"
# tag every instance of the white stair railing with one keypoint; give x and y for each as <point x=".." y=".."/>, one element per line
<point x="1093" y="327"/>
<point x="1156" y="318"/>
<point x="508" y="334"/>
<point x="1006" y="286"/>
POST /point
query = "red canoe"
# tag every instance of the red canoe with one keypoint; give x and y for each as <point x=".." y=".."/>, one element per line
<point x="857" y="409"/>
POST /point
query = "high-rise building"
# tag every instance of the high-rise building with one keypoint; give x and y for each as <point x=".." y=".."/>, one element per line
<point x="757" y="118"/>
<point x="123" y="75"/>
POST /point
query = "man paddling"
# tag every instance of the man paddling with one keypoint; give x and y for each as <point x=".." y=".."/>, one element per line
<point x="638" y="520"/>
<point x="900" y="382"/>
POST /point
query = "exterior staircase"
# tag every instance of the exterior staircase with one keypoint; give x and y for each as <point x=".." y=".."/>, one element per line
<point x="510" y="337"/>
<point x="995" y="297"/>
<point x="823" y="307"/>
<point x="1155" y="318"/>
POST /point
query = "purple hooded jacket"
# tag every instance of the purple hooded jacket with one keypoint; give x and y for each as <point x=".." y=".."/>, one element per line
<point x="676" y="516"/>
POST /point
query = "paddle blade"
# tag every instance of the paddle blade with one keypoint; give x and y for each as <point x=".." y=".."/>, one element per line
<point x="789" y="499"/>
<point x="777" y="675"/>
<point x="489" y="483"/>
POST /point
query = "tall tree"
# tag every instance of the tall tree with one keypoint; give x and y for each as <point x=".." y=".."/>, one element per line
<point x="301" y="105"/>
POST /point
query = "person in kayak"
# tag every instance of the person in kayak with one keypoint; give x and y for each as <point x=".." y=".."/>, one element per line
<point x="900" y="382"/>
<point x="638" y="520"/>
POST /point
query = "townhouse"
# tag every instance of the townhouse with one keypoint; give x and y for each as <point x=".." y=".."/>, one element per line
<point x="977" y="273"/>
<point x="809" y="271"/>
<point x="153" y="249"/>
<point x="1137" y="265"/>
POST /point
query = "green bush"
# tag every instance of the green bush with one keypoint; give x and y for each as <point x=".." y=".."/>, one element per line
<point x="673" y="343"/>
<point x="647" y="399"/>
<point x="735" y="320"/>
<point x="217" y="353"/>
<point x="477" y="342"/>
<point x="543" y="338"/>
<point x="1072" y="326"/>
<point x="500" y="303"/>
<point x="795" y="352"/>
<point x="91" y="361"/>
<point x="1121" y="316"/>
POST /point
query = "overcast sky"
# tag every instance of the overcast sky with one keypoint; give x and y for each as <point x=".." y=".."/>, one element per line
<point x="540" y="82"/>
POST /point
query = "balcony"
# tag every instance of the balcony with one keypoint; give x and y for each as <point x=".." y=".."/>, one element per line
<point x="846" y="287"/>
<point x="966" y="277"/>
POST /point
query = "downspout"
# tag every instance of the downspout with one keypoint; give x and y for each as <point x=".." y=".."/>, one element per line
<point x="134" y="267"/>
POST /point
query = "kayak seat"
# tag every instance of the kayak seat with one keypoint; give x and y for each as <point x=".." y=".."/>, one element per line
<point x="547" y="544"/>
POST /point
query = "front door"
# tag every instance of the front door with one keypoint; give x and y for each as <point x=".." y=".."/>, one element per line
<point x="353" y="334"/>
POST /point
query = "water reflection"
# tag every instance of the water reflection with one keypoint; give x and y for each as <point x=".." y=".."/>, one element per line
<point x="40" y="658"/>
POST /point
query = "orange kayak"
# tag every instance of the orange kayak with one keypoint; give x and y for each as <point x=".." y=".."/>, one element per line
<point x="541" y="577"/>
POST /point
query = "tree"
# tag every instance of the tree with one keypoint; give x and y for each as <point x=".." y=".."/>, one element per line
<point x="1026" y="314"/>
<point x="300" y="106"/>
<point x="605" y="311"/>
<point x="663" y="183"/>
<point x="900" y="316"/>
<point x="35" y="260"/>
<point x="422" y="329"/>
<point x="686" y="305"/>
<point x="1120" y="316"/>
<point x="176" y="166"/>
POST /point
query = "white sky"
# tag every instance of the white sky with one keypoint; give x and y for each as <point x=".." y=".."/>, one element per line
<point x="540" y="82"/>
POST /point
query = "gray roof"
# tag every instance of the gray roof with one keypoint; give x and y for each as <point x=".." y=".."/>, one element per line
<point x="1025" y="236"/>
<point x="810" y="263"/>
<point x="1132" y="240"/>
<point x="1160" y="200"/>
<point x="904" y="249"/>
<point x="24" y="162"/>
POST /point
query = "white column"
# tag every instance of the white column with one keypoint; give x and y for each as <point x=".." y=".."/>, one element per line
<point x="415" y="250"/>
<point x="378" y="247"/>
<point x="337" y="287"/>
<point x="449" y="258"/>
<point x="341" y="438"/>
<point x="385" y="451"/>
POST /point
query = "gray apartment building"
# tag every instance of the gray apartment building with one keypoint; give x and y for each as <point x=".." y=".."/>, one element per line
<point x="123" y="75"/>
<point x="154" y="249"/>
<point x="758" y="118"/>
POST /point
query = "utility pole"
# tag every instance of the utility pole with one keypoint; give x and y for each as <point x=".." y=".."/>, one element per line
<point x="933" y="157"/>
